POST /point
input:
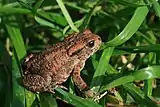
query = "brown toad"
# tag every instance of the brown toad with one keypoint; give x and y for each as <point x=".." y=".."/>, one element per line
<point x="51" y="67"/>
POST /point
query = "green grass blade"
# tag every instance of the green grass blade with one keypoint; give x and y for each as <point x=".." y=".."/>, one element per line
<point x="18" y="91"/>
<point x="66" y="15"/>
<point x="142" y="74"/>
<point x="101" y="69"/>
<point x="49" y="19"/>
<point x="47" y="100"/>
<point x="38" y="4"/>
<point x="26" y="3"/>
<point x="156" y="7"/>
<point x="139" y="95"/>
<point x="5" y="77"/>
<point x="75" y="6"/>
<point x="77" y="24"/>
<point x="44" y="22"/>
<point x="116" y="82"/>
<point x="148" y="87"/>
<point x="17" y="41"/>
<point x="75" y="100"/>
<point x="135" y="22"/>
<point x="13" y="10"/>
<point x="89" y="15"/>
<point x="20" y="52"/>
<point x="141" y="49"/>
<point x="150" y="72"/>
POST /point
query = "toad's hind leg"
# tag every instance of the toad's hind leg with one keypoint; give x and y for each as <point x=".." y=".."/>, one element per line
<point x="37" y="83"/>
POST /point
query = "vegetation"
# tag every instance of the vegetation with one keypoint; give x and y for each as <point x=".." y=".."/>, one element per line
<point x="125" y="71"/>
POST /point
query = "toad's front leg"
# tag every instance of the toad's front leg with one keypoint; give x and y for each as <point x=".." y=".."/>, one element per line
<point x="82" y="86"/>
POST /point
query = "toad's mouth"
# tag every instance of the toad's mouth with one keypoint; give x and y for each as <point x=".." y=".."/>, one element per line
<point x="76" y="52"/>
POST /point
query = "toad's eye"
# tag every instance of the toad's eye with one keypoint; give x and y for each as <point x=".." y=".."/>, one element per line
<point x="90" y="44"/>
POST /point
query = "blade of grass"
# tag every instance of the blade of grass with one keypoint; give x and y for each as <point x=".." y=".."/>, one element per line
<point x="142" y="74"/>
<point x="37" y="5"/>
<point x="75" y="6"/>
<point x="17" y="41"/>
<point x="20" y="52"/>
<point x="139" y="95"/>
<point x="78" y="23"/>
<point x="101" y="69"/>
<point x="18" y="91"/>
<point x="75" y="100"/>
<point x="47" y="100"/>
<point x="148" y="84"/>
<point x="66" y="15"/>
<point x="13" y="10"/>
<point x="146" y="38"/>
<point x="44" y="22"/>
<point x="156" y="7"/>
<point x="26" y="3"/>
<point x="148" y="87"/>
<point x="89" y="15"/>
<point x="141" y="49"/>
<point x="135" y="22"/>
<point x="5" y="77"/>
<point x="49" y="19"/>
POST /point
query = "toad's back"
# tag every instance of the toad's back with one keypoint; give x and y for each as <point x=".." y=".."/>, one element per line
<point x="54" y="61"/>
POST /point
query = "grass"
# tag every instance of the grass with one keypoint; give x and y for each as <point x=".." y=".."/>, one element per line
<point x="125" y="70"/>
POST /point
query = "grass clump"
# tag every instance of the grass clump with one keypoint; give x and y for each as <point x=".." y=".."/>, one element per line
<point x="125" y="70"/>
